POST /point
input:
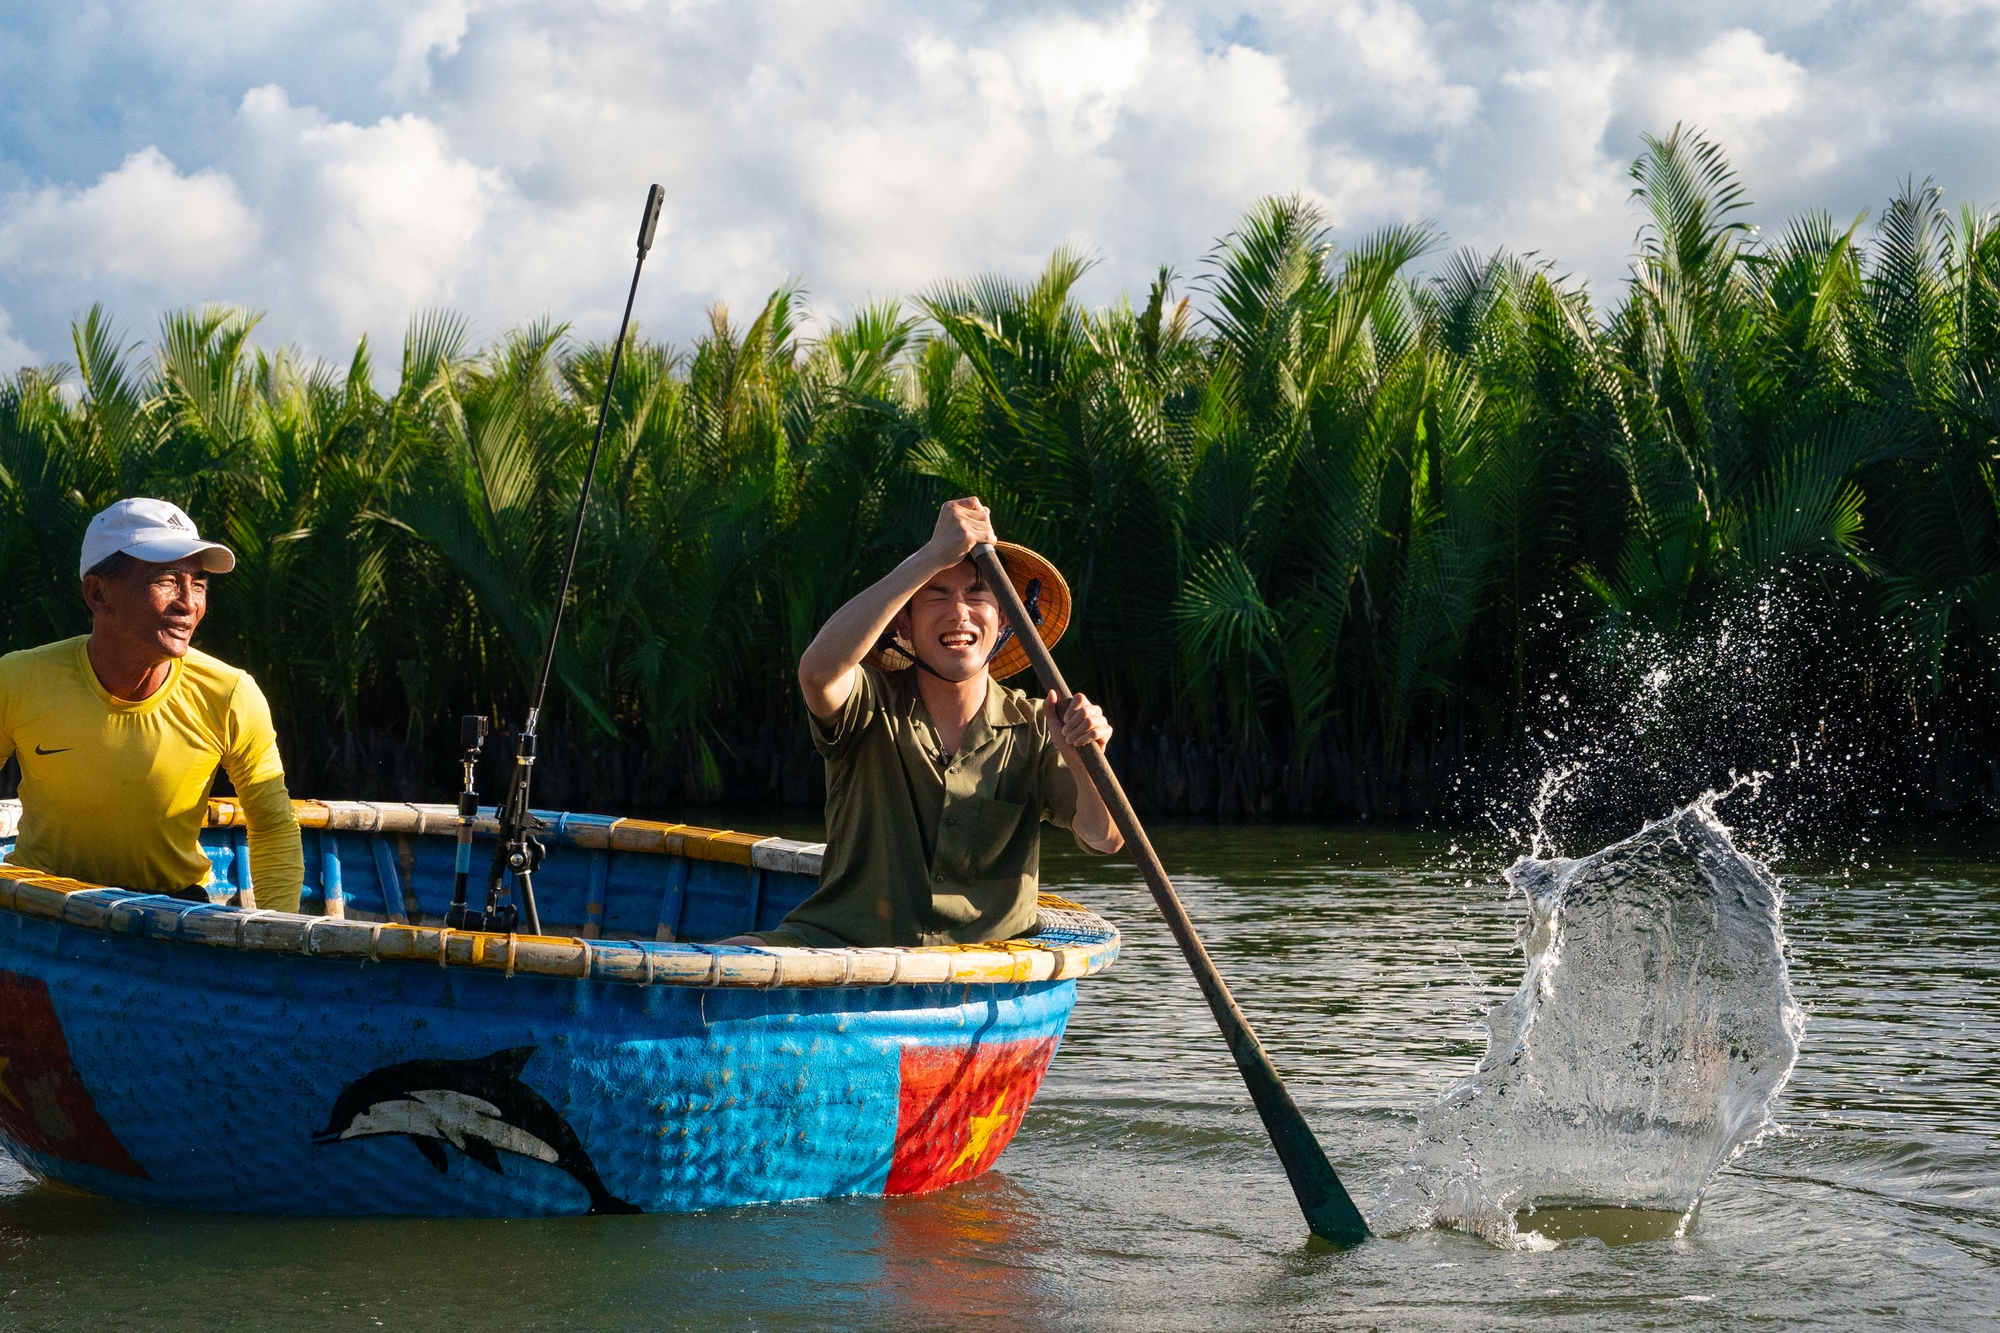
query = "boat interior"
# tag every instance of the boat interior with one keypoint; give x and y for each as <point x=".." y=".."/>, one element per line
<point x="603" y="878"/>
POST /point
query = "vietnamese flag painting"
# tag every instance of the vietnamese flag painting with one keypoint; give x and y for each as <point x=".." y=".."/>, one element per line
<point x="960" y="1107"/>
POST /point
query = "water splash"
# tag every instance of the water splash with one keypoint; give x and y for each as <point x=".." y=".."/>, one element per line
<point x="1651" y="1035"/>
<point x="1540" y="844"/>
<point x="1630" y="720"/>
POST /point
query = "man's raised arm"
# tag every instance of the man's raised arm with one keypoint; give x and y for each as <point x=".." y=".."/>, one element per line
<point x="826" y="668"/>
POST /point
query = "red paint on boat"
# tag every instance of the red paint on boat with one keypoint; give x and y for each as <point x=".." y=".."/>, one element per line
<point x="959" y="1108"/>
<point x="44" y="1106"/>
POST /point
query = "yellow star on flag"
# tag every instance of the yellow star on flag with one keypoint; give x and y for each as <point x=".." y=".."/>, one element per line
<point x="982" y="1128"/>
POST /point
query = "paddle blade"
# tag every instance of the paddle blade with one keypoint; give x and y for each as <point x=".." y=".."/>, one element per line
<point x="1330" y="1214"/>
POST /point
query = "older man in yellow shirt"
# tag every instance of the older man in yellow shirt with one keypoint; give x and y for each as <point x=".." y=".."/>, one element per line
<point x="119" y="733"/>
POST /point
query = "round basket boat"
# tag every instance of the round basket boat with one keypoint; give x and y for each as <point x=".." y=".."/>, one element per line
<point x="358" y="1057"/>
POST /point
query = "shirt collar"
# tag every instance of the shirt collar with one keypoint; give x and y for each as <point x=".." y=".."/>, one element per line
<point x="1004" y="708"/>
<point x="986" y="724"/>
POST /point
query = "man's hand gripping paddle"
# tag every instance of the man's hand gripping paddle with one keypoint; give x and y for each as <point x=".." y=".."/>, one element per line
<point x="1330" y="1214"/>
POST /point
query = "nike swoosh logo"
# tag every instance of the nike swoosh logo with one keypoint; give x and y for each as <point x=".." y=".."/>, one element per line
<point x="65" y="750"/>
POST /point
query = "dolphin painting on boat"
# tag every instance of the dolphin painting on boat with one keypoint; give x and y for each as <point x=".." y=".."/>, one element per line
<point x="480" y="1107"/>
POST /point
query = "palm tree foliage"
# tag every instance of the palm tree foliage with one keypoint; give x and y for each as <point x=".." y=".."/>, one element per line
<point x="1313" y="506"/>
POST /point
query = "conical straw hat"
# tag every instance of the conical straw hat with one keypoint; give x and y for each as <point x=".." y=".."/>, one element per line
<point x="1042" y="590"/>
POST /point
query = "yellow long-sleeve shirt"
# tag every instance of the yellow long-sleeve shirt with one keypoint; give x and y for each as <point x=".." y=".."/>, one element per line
<point x="115" y="792"/>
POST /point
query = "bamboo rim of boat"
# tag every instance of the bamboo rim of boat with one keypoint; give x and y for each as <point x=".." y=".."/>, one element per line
<point x="1080" y="942"/>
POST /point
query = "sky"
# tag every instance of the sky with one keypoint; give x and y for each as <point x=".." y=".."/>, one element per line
<point x="341" y="166"/>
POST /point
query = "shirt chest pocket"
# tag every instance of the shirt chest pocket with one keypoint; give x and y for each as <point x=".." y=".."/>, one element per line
<point x="982" y="827"/>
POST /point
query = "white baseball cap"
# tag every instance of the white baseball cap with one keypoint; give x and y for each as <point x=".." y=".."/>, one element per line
<point x="150" y="530"/>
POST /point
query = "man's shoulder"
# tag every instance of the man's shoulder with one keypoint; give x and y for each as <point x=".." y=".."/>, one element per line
<point x="882" y="678"/>
<point x="28" y="662"/>
<point x="865" y="711"/>
<point x="1014" y="707"/>
<point x="885" y="688"/>
<point x="213" y="677"/>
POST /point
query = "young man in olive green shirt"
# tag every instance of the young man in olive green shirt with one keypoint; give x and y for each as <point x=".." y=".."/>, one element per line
<point x="938" y="777"/>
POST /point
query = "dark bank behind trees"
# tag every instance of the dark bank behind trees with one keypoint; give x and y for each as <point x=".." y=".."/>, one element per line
<point x="1352" y="530"/>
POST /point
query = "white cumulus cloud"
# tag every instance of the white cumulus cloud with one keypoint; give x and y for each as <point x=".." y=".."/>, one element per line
<point x="1733" y="88"/>
<point x="145" y="220"/>
<point x="383" y="216"/>
<point x="343" y="166"/>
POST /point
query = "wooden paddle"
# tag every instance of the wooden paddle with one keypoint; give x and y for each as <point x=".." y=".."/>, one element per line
<point x="1329" y="1212"/>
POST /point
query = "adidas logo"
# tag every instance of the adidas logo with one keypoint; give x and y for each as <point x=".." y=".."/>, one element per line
<point x="174" y="521"/>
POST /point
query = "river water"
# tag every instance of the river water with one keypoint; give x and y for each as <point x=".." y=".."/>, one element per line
<point x="1141" y="1192"/>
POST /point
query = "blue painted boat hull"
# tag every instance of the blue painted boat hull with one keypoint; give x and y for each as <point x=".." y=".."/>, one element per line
<point x="163" y="1071"/>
